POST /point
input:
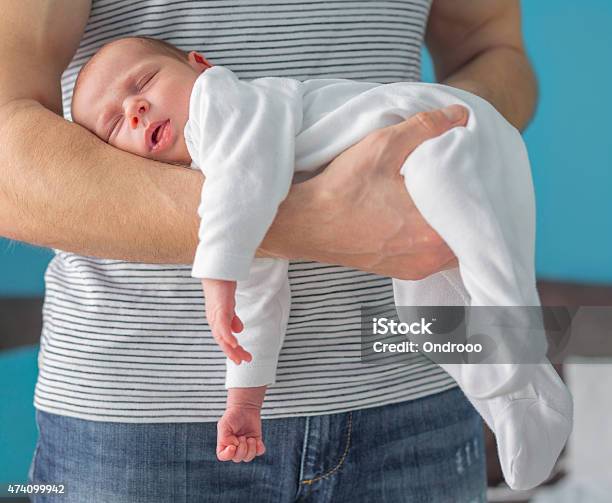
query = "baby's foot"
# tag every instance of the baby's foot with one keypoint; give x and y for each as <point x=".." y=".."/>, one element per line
<point x="531" y="427"/>
<point x="239" y="435"/>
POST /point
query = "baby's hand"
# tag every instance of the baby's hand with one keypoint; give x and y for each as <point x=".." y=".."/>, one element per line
<point x="239" y="435"/>
<point x="222" y="318"/>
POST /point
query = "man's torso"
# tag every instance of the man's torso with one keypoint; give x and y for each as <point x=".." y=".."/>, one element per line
<point x="128" y="342"/>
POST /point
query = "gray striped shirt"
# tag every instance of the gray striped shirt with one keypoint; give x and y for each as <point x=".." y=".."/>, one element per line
<point x="129" y="342"/>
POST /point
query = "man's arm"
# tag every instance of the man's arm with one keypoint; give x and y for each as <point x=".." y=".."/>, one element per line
<point x="61" y="187"/>
<point x="477" y="45"/>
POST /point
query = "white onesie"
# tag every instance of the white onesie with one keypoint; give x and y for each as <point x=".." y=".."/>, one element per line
<point x="472" y="184"/>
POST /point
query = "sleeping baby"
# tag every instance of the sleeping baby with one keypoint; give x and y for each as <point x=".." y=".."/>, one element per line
<point x="251" y="138"/>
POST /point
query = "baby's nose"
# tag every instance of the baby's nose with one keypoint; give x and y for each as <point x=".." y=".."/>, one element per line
<point x="136" y="117"/>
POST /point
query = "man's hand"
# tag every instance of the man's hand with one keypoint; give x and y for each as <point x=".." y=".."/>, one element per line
<point x="367" y="219"/>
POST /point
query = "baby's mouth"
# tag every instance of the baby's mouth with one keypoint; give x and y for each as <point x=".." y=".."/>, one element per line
<point x="158" y="135"/>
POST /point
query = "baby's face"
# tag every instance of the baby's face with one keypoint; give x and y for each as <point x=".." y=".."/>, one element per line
<point x="138" y="101"/>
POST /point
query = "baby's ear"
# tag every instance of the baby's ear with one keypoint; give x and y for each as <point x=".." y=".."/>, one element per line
<point x="198" y="62"/>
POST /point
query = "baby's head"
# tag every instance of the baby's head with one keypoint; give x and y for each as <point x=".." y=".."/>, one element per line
<point x="134" y="94"/>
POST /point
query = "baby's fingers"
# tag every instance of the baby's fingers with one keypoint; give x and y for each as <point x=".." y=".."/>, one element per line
<point x="251" y="447"/>
<point x="242" y="354"/>
<point x="230" y="352"/>
<point x="222" y="329"/>
<point x="237" y="355"/>
<point x="227" y="443"/>
<point x="226" y="453"/>
<point x="260" y="448"/>
<point x="240" y="451"/>
<point x="226" y="339"/>
<point x="237" y="326"/>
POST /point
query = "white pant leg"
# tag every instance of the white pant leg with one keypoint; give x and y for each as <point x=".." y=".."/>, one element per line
<point x="443" y="289"/>
<point x="462" y="188"/>
<point x="262" y="303"/>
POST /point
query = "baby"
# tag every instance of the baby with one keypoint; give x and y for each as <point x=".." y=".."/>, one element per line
<point x="249" y="139"/>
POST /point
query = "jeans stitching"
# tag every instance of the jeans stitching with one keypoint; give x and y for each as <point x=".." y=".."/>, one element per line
<point x="304" y="447"/>
<point x="342" y="458"/>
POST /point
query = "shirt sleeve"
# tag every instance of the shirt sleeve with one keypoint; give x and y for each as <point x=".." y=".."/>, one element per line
<point x="242" y="136"/>
<point x="262" y="303"/>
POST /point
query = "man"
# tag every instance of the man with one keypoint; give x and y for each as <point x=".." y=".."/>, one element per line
<point x="130" y="383"/>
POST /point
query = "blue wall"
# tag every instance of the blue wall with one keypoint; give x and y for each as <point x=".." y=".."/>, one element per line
<point x="570" y="143"/>
<point x="570" y="138"/>
<point x="21" y="269"/>
<point x="18" y="432"/>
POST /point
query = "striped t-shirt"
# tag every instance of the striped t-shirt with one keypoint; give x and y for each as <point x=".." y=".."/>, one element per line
<point x="129" y="342"/>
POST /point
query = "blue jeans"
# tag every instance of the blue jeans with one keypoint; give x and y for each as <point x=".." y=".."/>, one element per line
<point x="428" y="450"/>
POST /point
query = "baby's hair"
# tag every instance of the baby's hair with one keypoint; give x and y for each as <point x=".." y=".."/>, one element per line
<point x="163" y="46"/>
<point x="155" y="45"/>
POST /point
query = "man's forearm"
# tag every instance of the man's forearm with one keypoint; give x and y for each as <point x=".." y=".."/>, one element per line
<point x="503" y="76"/>
<point x="60" y="187"/>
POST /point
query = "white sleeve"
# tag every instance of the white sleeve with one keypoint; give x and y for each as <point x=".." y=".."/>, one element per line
<point x="242" y="136"/>
<point x="262" y="303"/>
